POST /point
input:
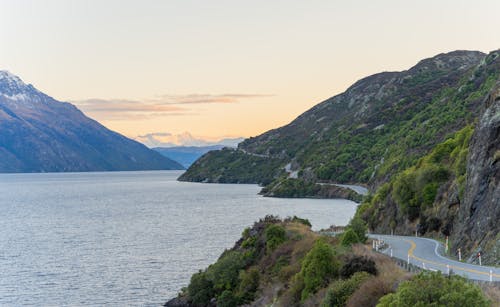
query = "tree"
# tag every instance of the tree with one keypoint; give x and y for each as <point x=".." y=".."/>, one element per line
<point x="349" y="238"/>
<point x="359" y="227"/>
<point x="200" y="289"/>
<point x="434" y="289"/>
<point x="275" y="235"/>
<point x="319" y="266"/>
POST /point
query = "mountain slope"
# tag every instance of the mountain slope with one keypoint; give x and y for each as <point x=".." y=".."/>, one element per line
<point x="453" y="191"/>
<point x="186" y="155"/>
<point x="41" y="134"/>
<point x="379" y="126"/>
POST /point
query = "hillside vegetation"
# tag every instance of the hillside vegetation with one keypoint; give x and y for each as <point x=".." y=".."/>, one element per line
<point x="381" y="125"/>
<point x="283" y="263"/>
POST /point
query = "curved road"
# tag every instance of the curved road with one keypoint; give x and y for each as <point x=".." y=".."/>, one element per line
<point x="425" y="253"/>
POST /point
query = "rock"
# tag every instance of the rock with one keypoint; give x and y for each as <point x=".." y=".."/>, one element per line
<point x="477" y="225"/>
<point x="180" y="301"/>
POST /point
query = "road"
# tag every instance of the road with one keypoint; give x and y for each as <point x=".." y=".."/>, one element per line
<point x="425" y="253"/>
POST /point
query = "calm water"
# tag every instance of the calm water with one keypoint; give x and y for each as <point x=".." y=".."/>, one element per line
<point x="125" y="238"/>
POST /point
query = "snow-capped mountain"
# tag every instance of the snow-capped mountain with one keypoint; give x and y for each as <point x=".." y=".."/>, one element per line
<point x="41" y="134"/>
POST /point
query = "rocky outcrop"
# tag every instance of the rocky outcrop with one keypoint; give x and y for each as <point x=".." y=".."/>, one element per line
<point x="476" y="229"/>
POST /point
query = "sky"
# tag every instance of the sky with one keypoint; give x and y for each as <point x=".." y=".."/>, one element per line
<point x="227" y="68"/>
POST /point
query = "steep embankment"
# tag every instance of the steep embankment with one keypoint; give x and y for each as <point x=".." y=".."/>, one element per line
<point x="381" y="125"/>
<point x="453" y="191"/>
<point x="476" y="227"/>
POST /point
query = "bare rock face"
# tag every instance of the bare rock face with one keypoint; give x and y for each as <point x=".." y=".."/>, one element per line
<point x="477" y="227"/>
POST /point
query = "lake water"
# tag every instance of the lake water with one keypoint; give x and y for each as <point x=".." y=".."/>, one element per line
<point x="125" y="238"/>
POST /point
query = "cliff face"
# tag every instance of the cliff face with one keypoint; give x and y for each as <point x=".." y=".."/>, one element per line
<point x="452" y="191"/>
<point x="477" y="225"/>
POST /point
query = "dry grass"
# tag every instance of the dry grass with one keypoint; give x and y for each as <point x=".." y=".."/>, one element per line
<point x="388" y="278"/>
<point x="492" y="293"/>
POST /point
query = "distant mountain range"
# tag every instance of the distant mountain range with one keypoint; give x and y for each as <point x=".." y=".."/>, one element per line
<point x="41" y="134"/>
<point x="165" y="139"/>
<point x="186" y="155"/>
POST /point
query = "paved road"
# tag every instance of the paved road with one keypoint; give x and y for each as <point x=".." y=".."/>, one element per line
<point x="425" y="253"/>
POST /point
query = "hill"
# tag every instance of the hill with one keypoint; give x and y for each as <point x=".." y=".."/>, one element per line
<point x="379" y="126"/>
<point x="284" y="263"/>
<point x="41" y="134"/>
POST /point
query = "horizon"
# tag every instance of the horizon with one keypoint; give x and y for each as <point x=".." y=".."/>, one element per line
<point x="139" y="69"/>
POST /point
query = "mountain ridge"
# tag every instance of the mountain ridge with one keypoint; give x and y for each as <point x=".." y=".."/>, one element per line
<point x="349" y="138"/>
<point x="41" y="134"/>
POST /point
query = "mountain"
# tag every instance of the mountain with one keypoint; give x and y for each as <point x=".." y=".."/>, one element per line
<point x="186" y="155"/>
<point x="452" y="191"/>
<point x="41" y="134"/>
<point x="165" y="139"/>
<point x="379" y="126"/>
<point x="426" y="142"/>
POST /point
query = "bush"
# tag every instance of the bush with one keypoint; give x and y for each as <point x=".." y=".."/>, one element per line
<point x="225" y="272"/>
<point x="249" y="282"/>
<point x="200" y="289"/>
<point x="227" y="299"/>
<point x="319" y="266"/>
<point x="358" y="264"/>
<point x="359" y="227"/>
<point x="349" y="238"/>
<point x="301" y="220"/>
<point x="341" y="290"/>
<point x="275" y="235"/>
<point x="434" y="289"/>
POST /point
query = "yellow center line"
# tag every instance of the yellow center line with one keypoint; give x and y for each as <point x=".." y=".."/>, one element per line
<point x="413" y="246"/>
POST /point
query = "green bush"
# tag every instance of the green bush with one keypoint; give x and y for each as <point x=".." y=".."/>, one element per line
<point x="225" y="272"/>
<point x="227" y="299"/>
<point x="275" y="235"/>
<point x="429" y="193"/>
<point x="341" y="290"/>
<point x="434" y="289"/>
<point x="200" y="289"/>
<point x="319" y="266"/>
<point x="249" y="283"/>
<point x="349" y="238"/>
<point x="359" y="227"/>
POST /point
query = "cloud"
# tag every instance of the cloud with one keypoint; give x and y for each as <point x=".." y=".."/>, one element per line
<point x="163" y="105"/>
<point x="165" y="139"/>
<point x="207" y="98"/>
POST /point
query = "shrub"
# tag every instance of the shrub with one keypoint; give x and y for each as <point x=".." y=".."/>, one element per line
<point x="341" y="290"/>
<point x="225" y="272"/>
<point x="319" y="266"/>
<point x="429" y="193"/>
<point x="301" y="220"/>
<point x="349" y="237"/>
<point x="200" y="289"/>
<point x="275" y="235"/>
<point x="434" y="289"/>
<point x="359" y="227"/>
<point x="227" y="299"/>
<point x="358" y="264"/>
<point x="249" y="282"/>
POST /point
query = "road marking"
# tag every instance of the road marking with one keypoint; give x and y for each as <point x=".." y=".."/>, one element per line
<point x="413" y="246"/>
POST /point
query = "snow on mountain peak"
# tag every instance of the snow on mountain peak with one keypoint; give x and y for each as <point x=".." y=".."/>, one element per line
<point x="12" y="87"/>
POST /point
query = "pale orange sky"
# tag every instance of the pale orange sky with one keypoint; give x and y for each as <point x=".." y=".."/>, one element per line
<point x="224" y="68"/>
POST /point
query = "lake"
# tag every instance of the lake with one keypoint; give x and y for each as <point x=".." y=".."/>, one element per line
<point x="125" y="238"/>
